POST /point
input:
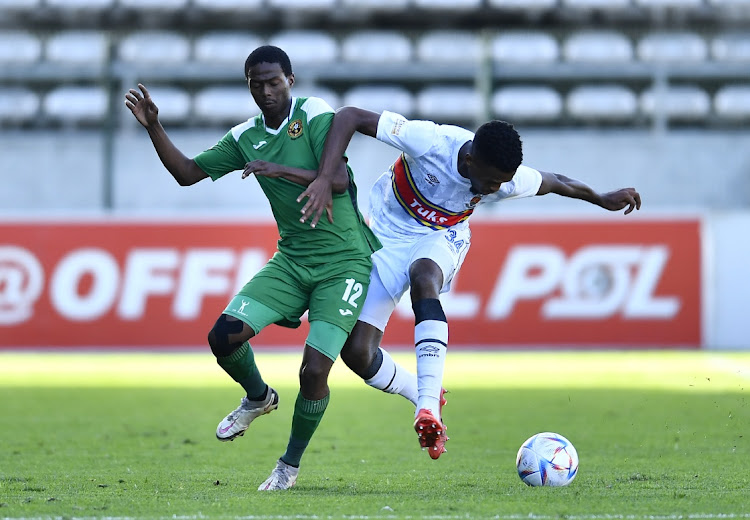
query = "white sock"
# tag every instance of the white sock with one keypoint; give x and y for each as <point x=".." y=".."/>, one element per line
<point x="394" y="379"/>
<point x="431" y="340"/>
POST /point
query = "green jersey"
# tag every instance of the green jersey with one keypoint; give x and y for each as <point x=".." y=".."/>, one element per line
<point x="298" y="143"/>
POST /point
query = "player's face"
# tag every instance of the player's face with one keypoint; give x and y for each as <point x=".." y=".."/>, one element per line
<point x="486" y="179"/>
<point x="271" y="89"/>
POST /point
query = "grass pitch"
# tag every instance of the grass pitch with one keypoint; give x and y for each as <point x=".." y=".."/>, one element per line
<point x="660" y="435"/>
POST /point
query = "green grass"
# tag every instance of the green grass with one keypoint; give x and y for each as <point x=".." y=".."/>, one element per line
<point x="659" y="435"/>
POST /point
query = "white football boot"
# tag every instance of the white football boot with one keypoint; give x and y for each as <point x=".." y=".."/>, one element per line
<point x="235" y="424"/>
<point x="283" y="476"/>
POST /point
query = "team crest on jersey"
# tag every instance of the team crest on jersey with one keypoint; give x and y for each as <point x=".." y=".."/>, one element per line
<point x="295" y="129"/>
<point x="475" y="200"/>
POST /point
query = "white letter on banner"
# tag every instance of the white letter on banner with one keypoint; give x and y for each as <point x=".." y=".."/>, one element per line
<point x="529" y="272"/>
<point x="204" y="273"/>
<point x="251" y="261"/>
<point x="147" y="272"/>
<point x="642" y="302"/>
<point x="66" y="279"/>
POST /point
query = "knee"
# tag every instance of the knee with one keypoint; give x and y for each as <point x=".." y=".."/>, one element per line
<point x="313" y="374"/>
<point x="227" y="335"/>
<point x="358" y="357"/>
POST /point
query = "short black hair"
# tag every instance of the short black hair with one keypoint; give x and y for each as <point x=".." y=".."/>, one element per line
<point x="498" y="144"/>
<point x="268" y="54"/>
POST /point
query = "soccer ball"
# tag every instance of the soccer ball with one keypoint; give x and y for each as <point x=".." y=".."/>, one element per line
<point x="547" y="459"/>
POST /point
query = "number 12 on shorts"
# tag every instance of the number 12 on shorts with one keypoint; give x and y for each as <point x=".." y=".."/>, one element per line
<point x="353" y="291"/>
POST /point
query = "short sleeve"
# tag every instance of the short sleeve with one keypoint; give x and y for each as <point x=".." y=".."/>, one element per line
<point x="413" y="137"/>
<point x="222" y="158"/>
<point x="526" y="181"/>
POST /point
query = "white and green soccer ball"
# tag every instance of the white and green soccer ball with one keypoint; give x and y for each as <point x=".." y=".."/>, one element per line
<point x="547" y="459"/>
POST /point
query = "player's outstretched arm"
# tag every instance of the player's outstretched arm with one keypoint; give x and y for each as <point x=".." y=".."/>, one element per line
<point x="184" y="170"/>
<point x="296" y="175"/>
<point x="613" y="201"/>
<point x="346" y="121"/>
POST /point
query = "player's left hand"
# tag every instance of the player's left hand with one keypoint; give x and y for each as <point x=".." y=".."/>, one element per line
<point x="263" y="169"/>
<point x="319" y="198"/>
<point x="624" y="198"/>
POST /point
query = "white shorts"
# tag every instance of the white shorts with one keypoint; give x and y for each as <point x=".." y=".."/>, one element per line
<point x="389" y="279"/>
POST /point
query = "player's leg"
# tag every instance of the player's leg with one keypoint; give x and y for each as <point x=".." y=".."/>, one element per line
<point x="321" y="349"/>
<point x="362" y="352"/>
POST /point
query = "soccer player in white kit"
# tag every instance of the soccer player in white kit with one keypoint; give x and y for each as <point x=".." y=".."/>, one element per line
<point x="419" y="210"/>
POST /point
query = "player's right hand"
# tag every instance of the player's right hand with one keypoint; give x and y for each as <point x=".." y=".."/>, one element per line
<point x="319" y="198"/>
<point x="142" y="107"/>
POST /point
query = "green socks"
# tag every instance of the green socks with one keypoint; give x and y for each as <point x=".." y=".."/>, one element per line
<point x="241" y="367"/>
<point x="307" y="416"/>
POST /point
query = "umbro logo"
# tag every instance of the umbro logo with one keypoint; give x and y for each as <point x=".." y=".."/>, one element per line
<point x="429" y="348"/>
<point x="432" y="179"/>
<point x="345" y="312"/>
<point x="257" y="146"/>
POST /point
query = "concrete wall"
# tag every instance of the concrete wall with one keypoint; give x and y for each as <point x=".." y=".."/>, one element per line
<point x="63" y="171"/>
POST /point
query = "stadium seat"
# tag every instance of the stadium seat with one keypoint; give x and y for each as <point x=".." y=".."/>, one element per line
<point x="19" y="47"/>
<point x="671" y="4"/>
<point x="231" y="48"/>
<point x="452" y="5"/>
<point x="81" y="5"/>
<point x="150" y="5"/>
<point x="174" y="103"/>
<point x="527" y="103"/>
<point x="18" y="105"/>
<point x="226" y="105"/>
<point x="78" y="47"/>
<point x="154" y="47"/>
<point x="525" y="47"/>
<point x="733" y="102"/>
<point x="228" y="6"/>
<point x="603" y="5"/>
<point x="327" y="95"/>
<point x="76" y="104"/>
<point x="373" y="5"/>
<point x="305" y="47"/>
<point x="602" y="102"/>
<point x="525" y="5"/>
<point x="676" y="102"/>
<point x="305" y="5"/>
<point x="447" y="46"/>
<point x="598" y="47"/>
<point x="450" y="103"/>
<point x="382" y="97"/>
<point x="676" y="47"/>
<point x="731" y="47"/>
<point x="376" y="47"/>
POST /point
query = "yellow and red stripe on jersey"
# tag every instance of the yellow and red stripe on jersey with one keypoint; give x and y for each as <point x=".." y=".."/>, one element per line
<point x="416" y="205"/>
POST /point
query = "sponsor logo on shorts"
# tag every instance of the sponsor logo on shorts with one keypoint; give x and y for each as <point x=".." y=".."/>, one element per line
<point x="241" y="310"/>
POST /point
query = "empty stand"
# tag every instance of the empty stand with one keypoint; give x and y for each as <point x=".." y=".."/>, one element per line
<point x="376" y="47"/>
<point x="228" y="48"/>
<point x="78" y="48"/>
<point x="598" y="47"/>
<point x="527" y="103"/>
<point x="81" y="5"/>
<point x="70" y="104"/>
<point x="150" y="5"/>
<point x="18" y="105"/>
<point x="303" y="5"/>
<point x="232" y="6"/>
<point x="453" y="5"/>
<point x="676" y="102"/>
<point x="230" y="105"/>
<point x="378" y="98"/>
<point x="525" y="47"/>
<point x="19" y="47"/>
<point x="603" y="5"/>
<point x="174" y="103"/>
<point x="376" y="5"/>
<point x="155" y="47"/>
<point x="602" y="103"/>
<point x="675" y="47"/>
<point x="669" y="4"/>
<point x="523" y="4"/>
<point x="305" y="47"/>
<point x="450" y="103"/>
<point x="733" y="102"/>
<point x="447" y="46"/>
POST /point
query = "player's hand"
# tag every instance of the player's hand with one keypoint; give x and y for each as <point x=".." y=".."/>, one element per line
<point x="624" y="198"/>
<point x="319" y="198"/>
<point x="262" y="169"/>
<point x="142" y="107"/>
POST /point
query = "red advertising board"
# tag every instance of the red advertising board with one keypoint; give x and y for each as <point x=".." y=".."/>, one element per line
<point x="550" y="283"/>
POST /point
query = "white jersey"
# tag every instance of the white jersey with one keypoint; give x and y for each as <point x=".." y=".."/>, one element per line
<point x="423" y="190"/>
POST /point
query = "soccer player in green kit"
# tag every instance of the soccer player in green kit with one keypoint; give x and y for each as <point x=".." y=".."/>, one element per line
<point x="324" y="269"/>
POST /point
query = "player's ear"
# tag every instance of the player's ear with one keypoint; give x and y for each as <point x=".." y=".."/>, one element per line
<point x="290" y="79"/>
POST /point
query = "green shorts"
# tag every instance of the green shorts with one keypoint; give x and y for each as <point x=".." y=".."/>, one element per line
<point x="332" y="293"/>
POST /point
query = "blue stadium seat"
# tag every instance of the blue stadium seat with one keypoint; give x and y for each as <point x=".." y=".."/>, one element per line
<point x="733" y="102"/>
<point x="151" y="5"/>
<point x="81" y="6"/>
<point x="603" y="5"/>
<point x="302" y="5"/>
<point x="449" y="103"/>
<point x="309" y="90"/>
<point x="527" y="103"/>
<point x="225" y="105"/>
<point x="452" y="5"/>
<point x="155" y="47"/>
<point x="18" y="105"/>
<point x="304" y="47"/>
<point x="376" y="47"/>
<point x="174" y="103"/>
<point x="731" y="47"/>
<point x="676" y="102"/>
<point x="449" y="46"/>
<point x="608" y="102"/>
<point x="674" y="47"/>
<point x="598" y="47"/>
<point x="77" y="48"/>
<point x="525" y="5"/>
<point x="381" y="97"/>
<point x="70" y="104"/>
<point x="376" y="5"/>
<point x="526" y="47"/>
<point x="19" y="47"/>
<point x="229" y="6"/>
<point x="230" y="48"/>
